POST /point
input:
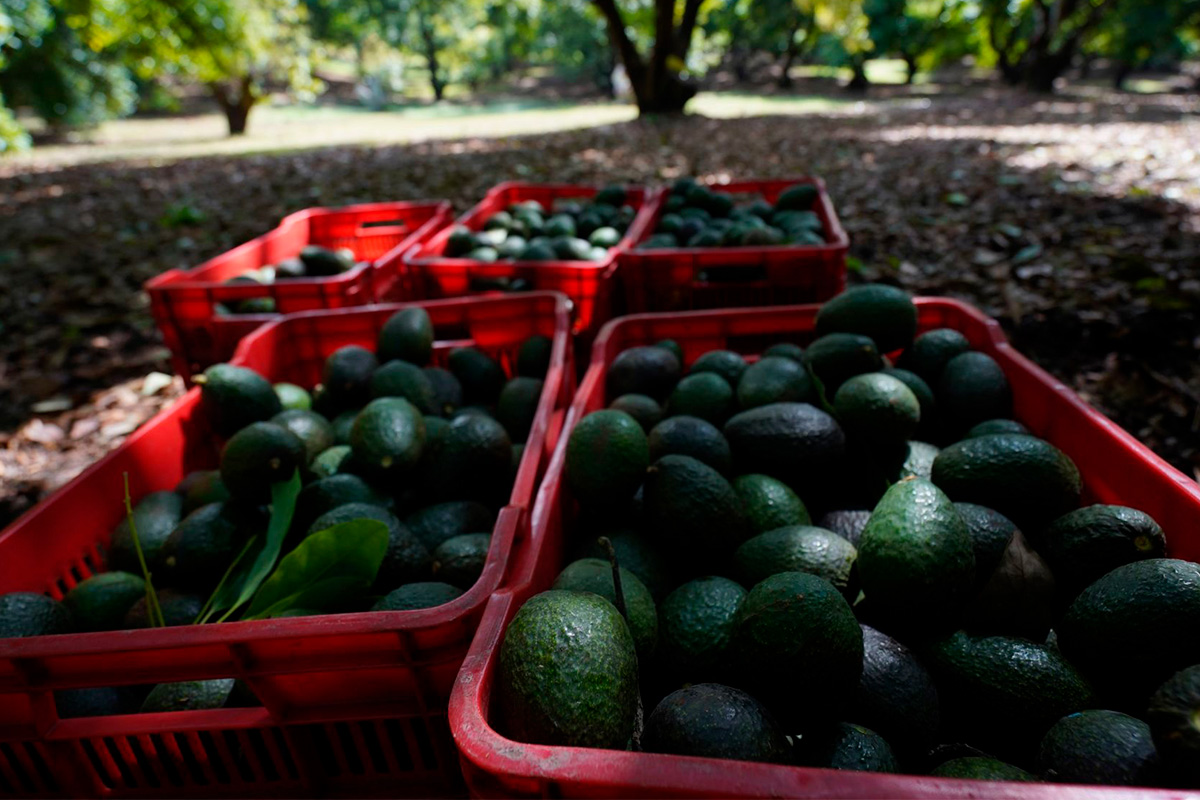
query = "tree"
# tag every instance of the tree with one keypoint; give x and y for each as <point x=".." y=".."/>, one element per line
<point x="1139" y="33"/>
<point x="658" y="83"/>
<point x="782" y="28"/>
<point x="845" y="24"/>
<point x="570" y="36"/>
<point x="1035" y="41"/>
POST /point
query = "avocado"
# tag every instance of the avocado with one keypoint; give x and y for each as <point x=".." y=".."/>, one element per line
<point x="836" y="357"/>
<point x="459" y="560"/>
<point x="387" y="438"/>
<point x="695" y="623"/>
<point x="567" y="673"/>
<point x="322" y="262"/>
<point x="673" y="347"/>
<point x="560" y="225"/>
<point x="1003" y="693"/>
<point x="99" y="701"/>
<point x="99" y="603"/>
<point x="990" y="532"/>
<point x="1017" y="598"/>
<point x="331" y="461"/>
<point x="795" y="640"/>
<point x="709" y="720"/>
<point x="652" y="371"/>
<point x="200" y="488"/>
<point x="402" y="379"/>
<point x="471" y="462"/>
<point x="691" y="436"/>
<point x="155" y="516"/>
<point x="500" y="220"/>
<point x="877" y="409"/>
<point x="605" y="237"/>
<point x="437" y="523"/>
<point x="288" y="268"/>
<point x="406" y="336"/>
<point x="406" y="559"/>
<point x="1083" y="545"/>
<point x="612" y="195"/>
<point x="310" y="427"/>
<point x="896" y="695"/>
<point x="705" y="395"/>
<point x="259" y="456"/>
<point x="1125" y="630"/>
<point x="1101" y="747"/>
<point x="1026" y="479"/>
<point x="347" y="376"/>
<point x="923" y="393"/>
<point x="769" y="504"/>
<point x="202" y="547"/>
<point x="343" y="424"/>
<point x="233" y="397"/>
<point x="31" y="614"/>
<point x="794" y="442"/>
<point x="990" y="426"/>
<point x="447" y="391"/>
<point x="929" y="353"/>
<point x="414" y="596"/>
<point x="851" y="747"/>
<point x="537" y="251"/>
<point x="533" y="357"/>
<point x="188" y="696"/>
<point x="607" y="456"/>
<point x="692" y="510"/>
<point x="847" y="523"/>
<point x="774" y="379"/>
<point x="919" y="462"/>
<point x="460" y="241"/>
<point x="481" y="377"/>
<point x="634" y="552"/>
<point x="977" y="768"/>
<point x="884" y="313"/>
<point x="325" y="494"/>
<point x="798" y="548"/>
<point x="726" y="363"/>
<point x="518" y="405"/>
<point x="1174" y="717"/>
<point x="644" y="409"/>
<point x="971" y="389"/>
<point x="595" y="575"/>
<point x="177" y="608"/>
<point x="799" y="197"/>
<point x="292" y="396"/>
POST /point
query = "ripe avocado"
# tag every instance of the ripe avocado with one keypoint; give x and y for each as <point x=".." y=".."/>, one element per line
<point x="923" y="393"/>
<point x="793" y="633"/>
<point x="518" y="405"/>
<point x="1085" y="544"/>
<point x="695" y="624"/>
<point x="533" y="357"/>
<point x="634" y="553"/>
<point x="1101" y="747"/>
<point x="769" y="504"/>
<point x="990" y="426"/>
<point x="447" y="391"/>
<point x="459" y="560"/>
<point x="1123" y="631"/>
<point x="709" y="720"/>
<point x="786" y="350"/>
<point x="931" y="351"/>
<point x="310" y="427"/>
<point x="692" y="510"/>
<point x="915" y="557"/>
<point x="691" y="436"/>
<point x="877" y="409"/>
<point x="293" y="396"/>
<point x="258" y="456"/>
<point x="406" y="559"/>
<point x="471" y="462"/>
<point x="177" y="609"/>
<point x="972" y="389"/>
<point x="325" y="494"/>
<point x="799" y="198"/>
<point x="644" y="409"/>
<point x="200" y="549"/>
<point x="836" y="357"/>
<point x="155" y="517"/>
<point x="437" y="523"/>
<point x="847" y="523"/>
<point x="100" y="602"/>
<point x="1174" y="717"/>
<point x="652" y="371"/>
<point x="896" y="695"/>
<point x="794" y="442"/>
<point x="919" y="462"/>
<point x="798" y="548"/>
<point x="402" y="379"/>
<point x="481" y="376"/>
<point x="233" y="397"/>
<point x="200" y="488"/>
<point x="595" y="575"/>
<point x="705" y="395"/>
<point x="387" y="438"/>
<point x="406" y="336"/>
<point x="976" y="768"/>
<point x="31" y="614"/>
<point x="726" y="363"/>
<point x="607" y="456"/>
<point x="990" y="532"/>
<point x="567" y="673"/>
<point x="347" y="376"/>
<point x="188" y="696"/>
<point x="413" y="596"/>
<point x="774" y="379"/>
<point x="884" y="313"/>
<point x="1002" y="693"/>
<point x="851" y="747"/>
<point x="1026" y="479"/>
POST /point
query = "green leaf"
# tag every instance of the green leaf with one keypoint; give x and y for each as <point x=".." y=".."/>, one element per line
<point x="957" y="199"/>
<point x="325" y="568"/>
<point x="854" y="264"/>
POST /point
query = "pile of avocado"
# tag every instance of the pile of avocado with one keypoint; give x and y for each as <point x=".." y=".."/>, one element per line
<point x="696" y="216"/>
<point x="573" y="230"/>
<point x="829" y="561"/>
<point x="431" y="451"/>
<point x="313" y="261"/>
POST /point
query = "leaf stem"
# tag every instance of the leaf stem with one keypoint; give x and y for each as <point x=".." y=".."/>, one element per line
<point x="153" y="610"/>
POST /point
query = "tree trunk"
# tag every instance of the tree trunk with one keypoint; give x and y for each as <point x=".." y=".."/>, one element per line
<point x="1046" y="67"/>
<point x="1122" y="73"/>
<point x="859" y="82"/>
<point x="789" y="55"/>
<point x="910" y="63"/>
<point x="236" y="101"/>
<point x="429" y="41"/>
<point x="666" y="95"/>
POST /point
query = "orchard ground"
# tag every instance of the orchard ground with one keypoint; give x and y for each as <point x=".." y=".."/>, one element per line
<point x="1074" y="219"/>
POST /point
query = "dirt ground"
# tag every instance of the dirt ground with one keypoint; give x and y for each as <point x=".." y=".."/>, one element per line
<point x="1074" y="219"/>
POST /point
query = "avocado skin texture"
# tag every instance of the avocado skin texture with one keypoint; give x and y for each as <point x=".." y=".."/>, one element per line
<point x="1085" y="544"/>
<point x="188" y="696"/>
<point x="726" y="363"/>
<point x="32" y="614"/>
<point x="607" y="456"/>
<point x="100" y="602"/>
<point x="798" y="548"/>
<point x="155" y="517"/>
<point x="347" y="376"/>
<point x="695" y="626"/>
<point x="414" y="596"/>
<point x="595" y="575"/>
<point x="929" y="353"/>
<point x="692" y="511"/>
<point x="1173" y="713"/>
<point x="847" y="523"/>
<point x="709" y="720"/>
<point x="794" y="442"/>
<point x="481" y="377"/>
<point x="884" y="313"/>
<point x="691" y="436"/>
<point x="836" y="357"/>
<point x="977" y="768"/>
<point x="990" y="532"/>
<point x="769" y="503"/>
<point x="1100" y="747"/>
<point x="388" y="438"/>
<point x="259" y="456"/>
<point x="200" y="549"/>
<point x="437" y="523"/>
<point x="972" y="388"/>
<point x="408" y="336"/>
<point x="1026" y="479"/>
<point x="1002" y="693"/>
<point x="851" y="747"/>
<point x="644" y="409"/>
<point x="1125" y="631"/>
<point x="567" y="673"/>
<point x="233" y="397"/>
<point x="896" y="695"/>
<point x="460" y="560"/>
<point x="774" y="379"/>
<point x="652" y="371"/>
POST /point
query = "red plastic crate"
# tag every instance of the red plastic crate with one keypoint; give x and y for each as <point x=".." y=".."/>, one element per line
<point x="589" y="284"/>
<point x="349" y="678"/>
<point x="1115" y="466"/>
<point x="182" y="300"/>
<point x="680" y="279"/>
